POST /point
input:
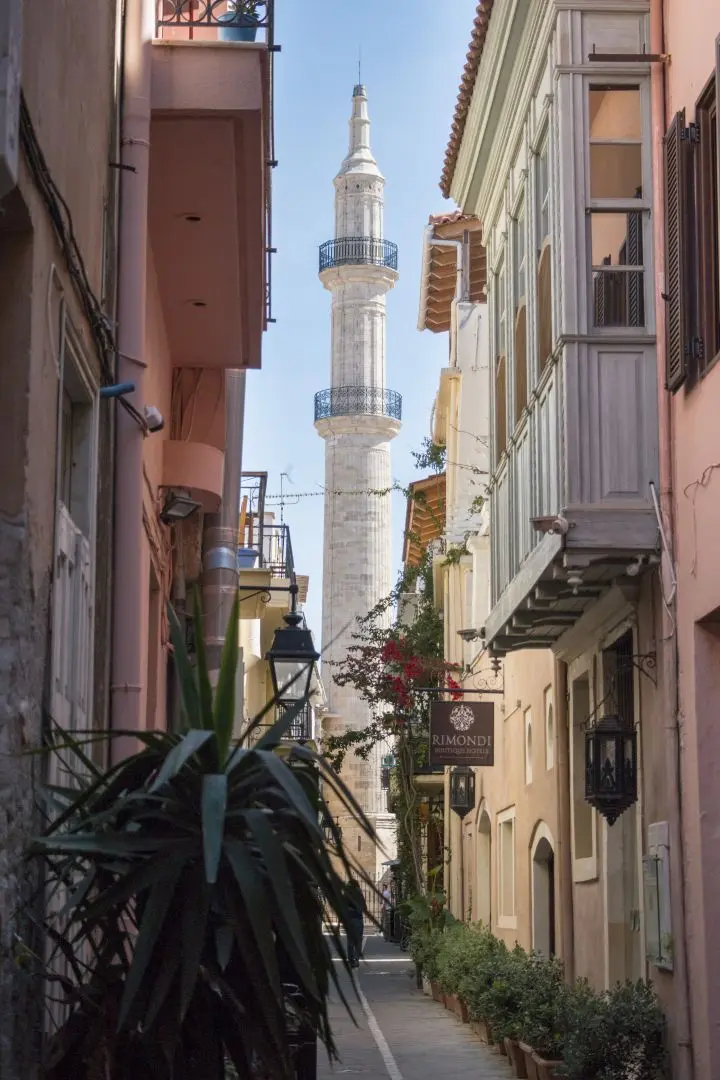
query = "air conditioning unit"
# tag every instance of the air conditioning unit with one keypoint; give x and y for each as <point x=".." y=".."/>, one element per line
<point x="10" y="58"/>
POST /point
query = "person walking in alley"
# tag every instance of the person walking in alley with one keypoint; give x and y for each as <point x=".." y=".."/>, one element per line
<point x="356" y="911"/>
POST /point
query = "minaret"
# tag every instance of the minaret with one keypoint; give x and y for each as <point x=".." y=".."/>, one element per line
<point x="357" y="417"/>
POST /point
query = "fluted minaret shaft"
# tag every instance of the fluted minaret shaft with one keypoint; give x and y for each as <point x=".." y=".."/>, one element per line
<point x="357" y="417"/>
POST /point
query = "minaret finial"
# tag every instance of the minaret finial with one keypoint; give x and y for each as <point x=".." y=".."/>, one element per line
<point x="359" y="65"/>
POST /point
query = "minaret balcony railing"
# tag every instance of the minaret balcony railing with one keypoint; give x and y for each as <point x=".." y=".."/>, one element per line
<point x="358" y="251"/>
<point x="358" y="401"/>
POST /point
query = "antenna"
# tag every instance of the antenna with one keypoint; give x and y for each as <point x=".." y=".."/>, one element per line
<point x="359" y="65"/>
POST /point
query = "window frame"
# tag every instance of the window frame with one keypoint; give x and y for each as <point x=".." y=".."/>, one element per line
<point x="500" y="360"/>
<point x="706" y="193"/>
<point x="528" y="737"/>
<point x="505" y="921"/>
<point x="542" y="152"/>
<point x="641" y="205"/>
<point x="584" y="868"/>
<point x="519" y="301"/>
<point x="549" y="716"/>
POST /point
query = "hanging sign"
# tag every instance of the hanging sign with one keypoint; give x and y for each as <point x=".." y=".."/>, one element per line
<point x="462" y="733"/>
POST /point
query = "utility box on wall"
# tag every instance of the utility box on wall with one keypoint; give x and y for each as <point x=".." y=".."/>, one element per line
<point x="656" y="875"/>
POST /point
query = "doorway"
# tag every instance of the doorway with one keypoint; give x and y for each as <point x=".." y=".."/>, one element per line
<point x="543" y="893"/>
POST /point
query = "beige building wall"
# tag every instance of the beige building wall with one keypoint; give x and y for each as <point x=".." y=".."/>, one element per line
<point x="48" y="356"/>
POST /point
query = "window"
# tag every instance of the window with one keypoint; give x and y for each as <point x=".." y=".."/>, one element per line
<point x="73" y="585"/>
<point x="500" y="363"/>
<point x="583" y="817"/>
<point x="528" y="747"/>
<point x="520" y="310"/>
<point x="543" y="265"/>
<point x="618" y="205"/>
<point x="706" y="185"/>
<point x="549" y="731"/>
<point x="506" y="870"/>
<point x="692" y="224"/>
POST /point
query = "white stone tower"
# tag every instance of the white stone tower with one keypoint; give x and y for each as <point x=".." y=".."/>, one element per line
<point x="357" y="417"/>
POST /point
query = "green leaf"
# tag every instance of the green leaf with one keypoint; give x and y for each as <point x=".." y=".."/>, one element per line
<point x="201" y="666"/>
<point x="224" y="709"/>
<point x="223" y="945"/>
<point x="189" y="699"/>
<point x="214" y="803"/>
<point x="286" y="914"/>
<point x="193" y="741"/>
<point x="247" y="875"/>
<point x="152" y="923"/>
<point x="194" y="929"/>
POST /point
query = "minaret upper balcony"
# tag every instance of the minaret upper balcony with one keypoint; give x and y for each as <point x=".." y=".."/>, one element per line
<point x="358" y="251"/>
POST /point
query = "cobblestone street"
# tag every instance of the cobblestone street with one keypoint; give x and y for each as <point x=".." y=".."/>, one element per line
<point x="401" y="1033"/>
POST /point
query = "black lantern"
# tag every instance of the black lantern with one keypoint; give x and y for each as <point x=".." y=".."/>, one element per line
<point x="611" y="767"/>
<point x="462" y="790"/>
<point x="331" y="834"/>
<point x="292" y="656"/>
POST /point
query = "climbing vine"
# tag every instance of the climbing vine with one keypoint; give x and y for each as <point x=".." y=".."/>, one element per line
<point x="391" y="665"/>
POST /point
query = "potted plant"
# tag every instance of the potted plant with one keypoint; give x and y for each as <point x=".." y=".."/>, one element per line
<point x="543" y="1020"/>
<point x="452" y="965"/>
<point x="240" y="21"/>
<point x="504" y="1003"/>
<point x="192" y="876"/>
<point x="614" y="1035"/>
<point x="484" y="955"/>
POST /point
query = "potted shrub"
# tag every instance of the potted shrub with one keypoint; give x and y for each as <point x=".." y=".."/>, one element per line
<point x="453" y="962"/>
<point x="504" y="1004"/>
<point x="485" y="955"/>
<point x="614" y="1035"/>
<point x="543" y="1020"/>
<point x="192" y="876"/>
<point x="240" y="21"/>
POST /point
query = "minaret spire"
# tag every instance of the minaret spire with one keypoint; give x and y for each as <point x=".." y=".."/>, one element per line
<point x="357" y="416"/>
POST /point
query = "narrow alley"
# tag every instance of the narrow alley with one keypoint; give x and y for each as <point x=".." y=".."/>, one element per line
<point x="402" y="1034"/>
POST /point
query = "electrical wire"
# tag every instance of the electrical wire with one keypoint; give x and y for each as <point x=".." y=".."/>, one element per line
<point x="62" y="225"/>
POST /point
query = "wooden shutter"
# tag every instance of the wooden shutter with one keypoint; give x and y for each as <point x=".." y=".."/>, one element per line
<point x="635" y="307"/>
<point x="677" y="269"/>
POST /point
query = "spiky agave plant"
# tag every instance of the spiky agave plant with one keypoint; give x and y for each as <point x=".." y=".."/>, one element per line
<point x="195" y="873"/>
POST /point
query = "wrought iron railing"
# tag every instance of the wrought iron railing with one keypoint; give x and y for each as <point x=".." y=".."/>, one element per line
<point x="358" y="250"/>
<point x="301" y="726"/>
<point x="358" y="401"/>
<point x="196" y="14"/>
<point x="267" y="547"/>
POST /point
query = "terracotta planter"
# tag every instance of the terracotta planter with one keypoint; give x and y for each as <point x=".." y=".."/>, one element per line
<point x="545" y="1070"/>
<point x="516" y="1058"/>
<point x="481" y="1030"/>
<point x="530" y="1065"/>
<point x="436" y="993"/>
<point x="456" y="1005"/>
<point x="501" y="1048"/>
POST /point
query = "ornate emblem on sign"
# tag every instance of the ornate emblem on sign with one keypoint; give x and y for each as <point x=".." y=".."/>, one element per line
<point x="462" y="718"/>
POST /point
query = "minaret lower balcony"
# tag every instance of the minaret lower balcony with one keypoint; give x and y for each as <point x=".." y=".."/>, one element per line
<point x="358" y="401"/>
<point x="358" y="251"/>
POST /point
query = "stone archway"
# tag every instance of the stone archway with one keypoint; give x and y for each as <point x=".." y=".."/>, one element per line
<point x="482" y="910"/>
<point x="542" y="873"/>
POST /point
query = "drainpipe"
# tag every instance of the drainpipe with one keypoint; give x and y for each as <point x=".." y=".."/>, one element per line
<point x="220" y="575"/>
<point x="670" y="660"/>
<point x="562" y="727"/>
<point x="130" y="575"/>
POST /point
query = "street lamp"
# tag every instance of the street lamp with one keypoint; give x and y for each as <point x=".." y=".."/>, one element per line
<point x="292" y="656"/>
<point x="178" y="506"/>
<point x="462" y="790"/>
<point x="331" y="833"/>
<point x="611" y="767"/>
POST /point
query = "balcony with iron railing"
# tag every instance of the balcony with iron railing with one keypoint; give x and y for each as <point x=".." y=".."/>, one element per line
<point x="358" y="401"/>
<point x="358" y="251"/>
<point x="215" y="20"/>
<point x="300" y="729"/>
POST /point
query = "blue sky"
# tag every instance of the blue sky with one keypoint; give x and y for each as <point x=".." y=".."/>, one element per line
<point x="413" y="53"/>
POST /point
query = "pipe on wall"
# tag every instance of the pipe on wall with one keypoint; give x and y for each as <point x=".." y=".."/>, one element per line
<point x="130" y="575"/>
<point x="563" y="843"/>
<point x="681" y="1034"/>
<point x="220" y="576"/>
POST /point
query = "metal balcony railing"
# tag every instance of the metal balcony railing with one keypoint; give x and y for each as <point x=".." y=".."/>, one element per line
<point x="301" y="727"/>
<point x="267" y="547"/>
<point x="201" y="14"/>
<point x="358" y="401"/>
<point x="358" y="251"/>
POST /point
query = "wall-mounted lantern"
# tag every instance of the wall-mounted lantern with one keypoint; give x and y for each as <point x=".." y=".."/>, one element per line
<point x="178" y="506"/>
<point x="292" y="657"/>
<point x="611" y="767"/>
<point x="462" y="790"/>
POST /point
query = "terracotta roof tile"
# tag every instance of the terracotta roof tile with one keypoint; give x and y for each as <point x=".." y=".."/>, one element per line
<point x="467" y="84"/>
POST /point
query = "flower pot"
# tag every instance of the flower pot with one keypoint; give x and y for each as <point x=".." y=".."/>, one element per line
<point x="501" y="1048"/>
<point x="456" y="1005"/>
<point x="238" y="27"/>
<point x="516" y="1057"/>
<point x="247" y="558"/>
<point x="530" y="1065"/>
<point x="481" y="1030"/>
<point x="545" y="1069"/>
<point x="437" y="995"/>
